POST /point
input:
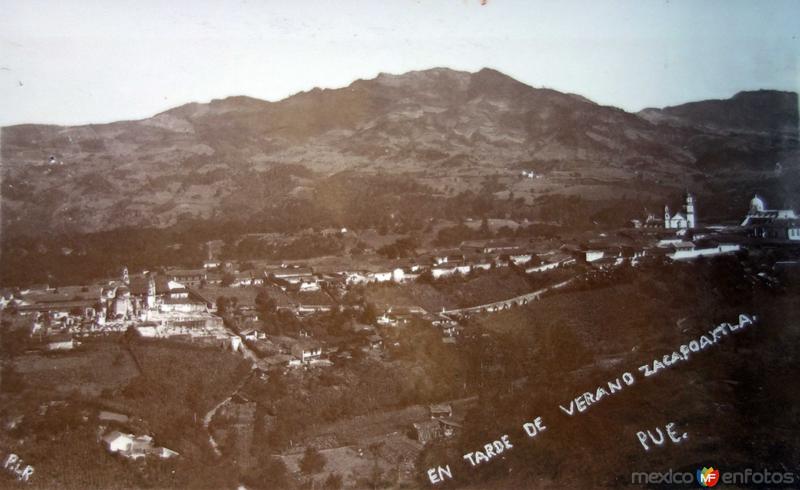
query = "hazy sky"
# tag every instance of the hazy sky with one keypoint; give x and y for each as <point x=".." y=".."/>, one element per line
<point x="71" y="62"/>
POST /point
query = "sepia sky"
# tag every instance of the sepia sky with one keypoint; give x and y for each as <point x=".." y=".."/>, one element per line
<point x="74" y="62"/>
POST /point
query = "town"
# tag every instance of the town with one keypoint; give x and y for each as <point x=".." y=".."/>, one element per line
<point x="261" y="330"/>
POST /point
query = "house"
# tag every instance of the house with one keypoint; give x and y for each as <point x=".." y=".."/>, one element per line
<point x="292" y="274"/>
<point x="352" y="278"/>
<point x="499" y="247"/>
<point x="306" y="350"/>
<point x="253" y="334"/>
<point x="441" y="410"/>
<point x="309" y="286"/>
<point x="165" y="453"/>
<point x="449" y="428"/>
<point x="436" y="429"/>
<point x="448" y="257"/>
<point x="6" y="298"/>
<point x="183" y="305"/>
<point x="190" y="277"/>
<point x="117" y="442"/>
<point x="693" y="253"/>
<point x="312" y="302"/>
<point x="105" y="416"/>
<point x="59" y="308"/>
<point x="134" y="447"/>
<point x="439" y="272"/>
<point x="59" y="342"/>
<point x="550" y="262"/>
<point x="277" y="361"/>
<point x="428" y="431"/>
<point x="401" y="315"/>
<point x="450" y="270"/>
<point x="234" y="342"/>
<point x="147" y="331"/>
<point x="521" y="258"/>
<point x="451" y="329"/>
<point x="374" y="341"/>
<point x="386" y="321"/>
<point x="248" y="278"/>
<point x="592" y="255"/>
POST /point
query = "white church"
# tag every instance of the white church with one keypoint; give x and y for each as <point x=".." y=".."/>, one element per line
<point x="682" y="220"/>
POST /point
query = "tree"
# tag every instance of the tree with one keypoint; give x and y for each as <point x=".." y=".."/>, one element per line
<point x="426" y="277"/>
<point x="312" y="462"/>
<point x="222" y="305"/>
<point x="269" y="473"/>
<point x="484" y="229"/>
<point x="376" y="475"/>
<point x="333" y="482"/>
<point x="264" y="303"/>
<point x="227" y="279"/>
<point x="369" y="315"/>
<point x="11" y="381"/>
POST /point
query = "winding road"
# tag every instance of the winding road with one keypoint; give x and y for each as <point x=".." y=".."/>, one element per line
<point x="507" y="303"/>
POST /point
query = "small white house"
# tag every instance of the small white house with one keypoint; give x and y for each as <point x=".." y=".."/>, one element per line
<point x="235" y="342"/>
<point x="308" y="286"/>
<point x="306" y="351"/>
<point x="60" y="342"/>
<point x="593" y="255"/>
<point x="116" y="441"/>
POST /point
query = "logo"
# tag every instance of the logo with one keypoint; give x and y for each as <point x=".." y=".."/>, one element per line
<point x="707" y="477"/>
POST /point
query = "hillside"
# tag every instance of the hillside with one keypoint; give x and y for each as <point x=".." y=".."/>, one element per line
<point x="757" y="111"/>
<point x="445" y="130"/>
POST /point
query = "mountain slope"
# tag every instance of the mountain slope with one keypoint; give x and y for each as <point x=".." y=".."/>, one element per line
<point x="448" y="129"/>
<point x="760" y="111"/>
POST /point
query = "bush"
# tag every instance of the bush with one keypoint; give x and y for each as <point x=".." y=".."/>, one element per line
<point x="333" y="482"/>
<point x="313" y="461"/>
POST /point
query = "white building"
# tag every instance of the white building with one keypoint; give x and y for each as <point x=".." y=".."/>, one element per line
<point x="689" y="253"/>
<point x="682" y="219"/>
<point x="777" y="224"/>
<point x="117" y="441"/>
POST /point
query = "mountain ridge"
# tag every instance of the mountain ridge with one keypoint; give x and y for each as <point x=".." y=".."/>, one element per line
<point x="450" y="129"/>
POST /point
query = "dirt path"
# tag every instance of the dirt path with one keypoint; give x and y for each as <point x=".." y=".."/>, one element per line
<point x="209" y="416"/>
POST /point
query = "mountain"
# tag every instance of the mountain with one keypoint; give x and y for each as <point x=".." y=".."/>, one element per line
<point x="760" y="111"/>
<point x="447" y="130"/>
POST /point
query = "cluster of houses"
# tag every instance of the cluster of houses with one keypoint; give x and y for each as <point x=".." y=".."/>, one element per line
<point x="680" y="237"/>
<point x="154" y="305"/>
<point x="182" y="303"/>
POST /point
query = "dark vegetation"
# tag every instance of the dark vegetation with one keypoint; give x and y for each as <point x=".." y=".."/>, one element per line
<point x="727" y="398"/>
<point x="352" y="201"/>
<point x="178" y="384"/>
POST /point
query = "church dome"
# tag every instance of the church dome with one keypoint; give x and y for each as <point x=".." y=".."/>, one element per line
<point x="757" y="204"/>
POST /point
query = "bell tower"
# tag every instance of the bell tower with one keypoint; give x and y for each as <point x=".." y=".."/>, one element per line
<point x="151" y="293"/>
<point x="690" y="216"/>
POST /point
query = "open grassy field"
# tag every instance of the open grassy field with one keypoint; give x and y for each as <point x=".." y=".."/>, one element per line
<point x="86" y="371"/>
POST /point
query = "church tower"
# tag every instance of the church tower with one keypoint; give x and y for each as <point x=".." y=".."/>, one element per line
<point x="151" y="293"/>
<point x="666" y="217"/>
<point x="690" y="217"/>
<point x="125" y="278"/>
